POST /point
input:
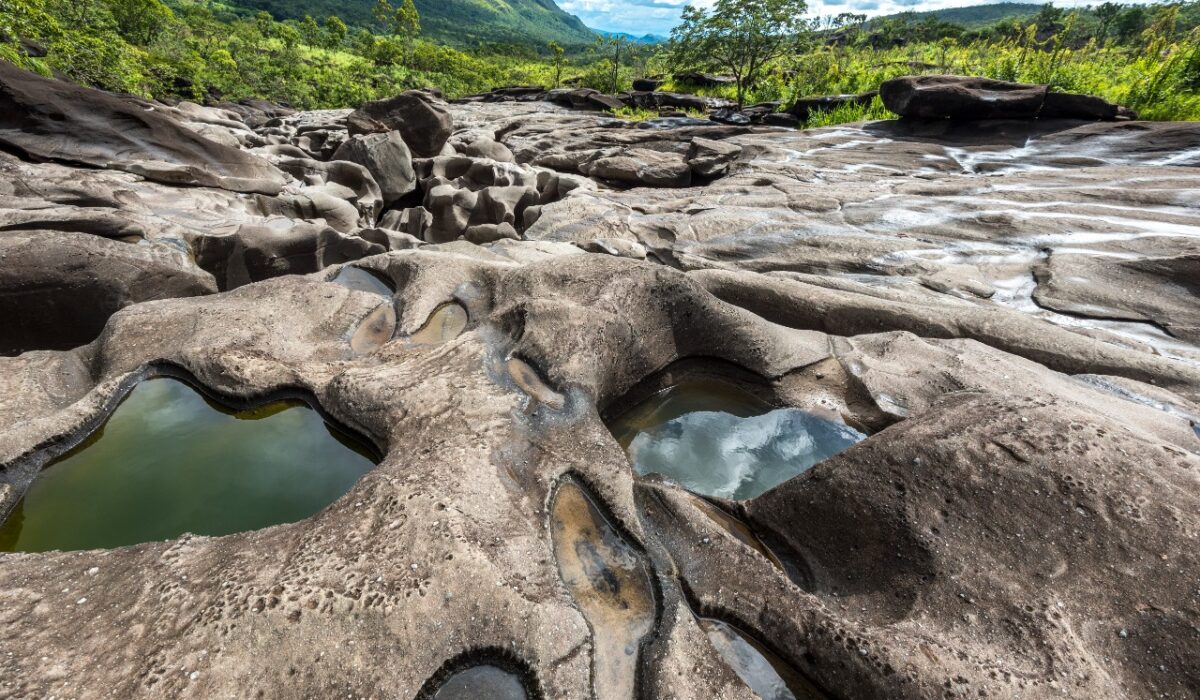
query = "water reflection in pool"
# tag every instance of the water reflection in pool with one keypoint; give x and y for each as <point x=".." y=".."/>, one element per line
<point x="362" y="280"/>
<point x="170" y="461"/>
<point x="764" y="672"/>
<point x="718" y="440"/>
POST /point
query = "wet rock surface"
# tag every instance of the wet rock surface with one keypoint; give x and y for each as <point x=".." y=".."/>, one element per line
<point x="1005" y="310"/>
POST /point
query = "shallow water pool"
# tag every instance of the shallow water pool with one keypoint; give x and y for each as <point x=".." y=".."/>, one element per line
<point x="169" y="461"/>
<point x="718" y="440"/>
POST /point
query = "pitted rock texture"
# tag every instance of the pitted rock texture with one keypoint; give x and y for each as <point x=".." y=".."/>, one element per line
<point x="1021" y="521"/>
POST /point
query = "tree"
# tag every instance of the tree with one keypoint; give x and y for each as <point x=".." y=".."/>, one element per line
<point x="945" y="45"/>
<point x="1107" y="14"/>
<point x="848" y="27"/>
<point x="140" y="21"/>
<point x="1131" y="23"/>
<point x="335" y="32"/>
<point x="383" y="12"/>
<point x="640" y="56"/>
<point x="558" y="53"/>
<point x="364" y="43"/>
<point x="264" y="22"/>
<point x="848" y="19"/>
<point x="407" y="21"/>
<point x="288" y="35"/>
<point x="387" y="52"/>
<point x="310" y="31"/>
<point x="739" y="36"/>
<point x="612" y="62"/>
<point x="1049" y="19"/>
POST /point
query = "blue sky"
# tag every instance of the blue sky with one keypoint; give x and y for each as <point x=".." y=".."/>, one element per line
<point x="640" y="17"/>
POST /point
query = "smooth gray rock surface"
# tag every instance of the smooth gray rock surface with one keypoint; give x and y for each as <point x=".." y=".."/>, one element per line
<point x="48" y="119"/>
<point x="1005" y="309"/>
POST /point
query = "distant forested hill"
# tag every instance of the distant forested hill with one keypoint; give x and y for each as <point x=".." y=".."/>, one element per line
<point x="456" y="22"/>
<point x="633" y="38"/>
<point x="977" y="16"/>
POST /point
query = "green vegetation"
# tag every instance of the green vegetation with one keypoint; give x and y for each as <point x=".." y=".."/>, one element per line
<point x="203" y="51"/>
<point x="847" y="114"/>
<point x="742" y="37"/>
<point x="639" y="114"/>
<point x="1145" y="57"/>
<point x="460" y="23"/>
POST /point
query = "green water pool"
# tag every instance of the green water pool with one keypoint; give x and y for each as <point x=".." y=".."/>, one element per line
<point x="169" y="461"/>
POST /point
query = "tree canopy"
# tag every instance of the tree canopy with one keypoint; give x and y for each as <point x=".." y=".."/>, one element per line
<point x="739" y="36"/>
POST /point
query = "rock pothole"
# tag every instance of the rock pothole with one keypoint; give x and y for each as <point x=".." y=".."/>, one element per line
<point x="609" y="580"/>
<point x="172" y="459"/>
<point x="364" y="280"/>
<point x="447" y="322"/>
<point x="482" y="673"/>
<point x="484" y="681"/>
<point x="760" y="668"/>
<point x="719" y="440"/>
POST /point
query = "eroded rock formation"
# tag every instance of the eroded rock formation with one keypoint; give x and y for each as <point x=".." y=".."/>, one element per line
<point x="51" y="120"/>
<point x="963" y="98"/>
<point x="1006" y="310"/>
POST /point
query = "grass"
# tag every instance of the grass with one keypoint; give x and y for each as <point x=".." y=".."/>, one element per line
<point x="200" y="50"/>
<point x="848" y="113"/>
<point x="640" y="114"/>
<point x="1158" y="79"/>
<point x="1159" y="76"/>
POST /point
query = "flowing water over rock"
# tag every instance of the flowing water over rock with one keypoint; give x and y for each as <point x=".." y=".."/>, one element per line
<point x="611" y="585"/>
<point x="485" y="681"/>
<point x="171" y="461"/>
<point x="718" y="440"/>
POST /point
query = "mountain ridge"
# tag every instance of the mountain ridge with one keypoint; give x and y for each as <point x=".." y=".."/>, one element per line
<point x="649" y="38"/>
<point x="453" y="22"/>
<point x="973" y="16"/>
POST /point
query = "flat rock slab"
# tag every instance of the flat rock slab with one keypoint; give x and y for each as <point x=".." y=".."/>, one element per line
<point x="53" y="120"/>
